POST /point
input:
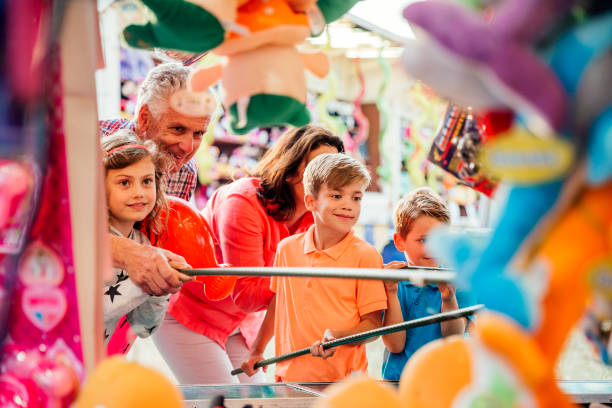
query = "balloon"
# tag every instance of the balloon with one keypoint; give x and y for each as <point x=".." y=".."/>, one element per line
<point x="436" y="373"/>
<point x="189" y="235"/>
<point x="118" y="383"/>
<point x="360" y="392"/>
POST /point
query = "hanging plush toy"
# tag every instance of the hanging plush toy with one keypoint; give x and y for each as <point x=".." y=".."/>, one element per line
<point x="263" y="74"/>
<point x="201" y="25"/>
<point x="263" y="87"/>
<point x="181" y="25"/>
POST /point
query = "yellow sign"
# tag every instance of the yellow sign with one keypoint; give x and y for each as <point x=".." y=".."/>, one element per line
<point x="522" y="158"/>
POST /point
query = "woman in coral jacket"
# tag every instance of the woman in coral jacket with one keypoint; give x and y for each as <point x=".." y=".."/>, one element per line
<point x="203" y="340"/>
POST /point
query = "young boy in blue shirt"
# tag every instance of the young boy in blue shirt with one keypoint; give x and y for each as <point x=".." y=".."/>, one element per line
<point x="415" y="215"/>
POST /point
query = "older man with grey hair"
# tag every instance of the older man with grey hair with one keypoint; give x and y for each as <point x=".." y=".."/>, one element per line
<point x="176" y="120"/>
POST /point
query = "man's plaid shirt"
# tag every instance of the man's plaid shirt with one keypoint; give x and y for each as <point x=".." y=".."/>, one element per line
<point x="181" y="184"/>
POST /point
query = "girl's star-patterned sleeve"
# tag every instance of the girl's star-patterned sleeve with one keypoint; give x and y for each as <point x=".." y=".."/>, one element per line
<point x="122" y="297"/>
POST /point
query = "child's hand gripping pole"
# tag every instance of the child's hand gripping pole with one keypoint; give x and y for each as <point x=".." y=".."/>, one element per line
<point x="423" y="321"/>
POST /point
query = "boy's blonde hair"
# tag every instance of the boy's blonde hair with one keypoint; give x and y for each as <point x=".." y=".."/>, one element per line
<point x="335" y="170"/>
<point x="418" y="202"/>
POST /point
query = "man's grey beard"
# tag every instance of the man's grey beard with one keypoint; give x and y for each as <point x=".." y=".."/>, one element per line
<point x="173" y="165"/>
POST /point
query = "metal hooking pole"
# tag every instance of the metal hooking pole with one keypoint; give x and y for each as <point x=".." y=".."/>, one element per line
<point x="423" y="321"/>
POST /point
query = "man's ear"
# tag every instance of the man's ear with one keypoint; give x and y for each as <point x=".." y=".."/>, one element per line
<point x="399" y="242"/>
<point x="144" y="119"/>
<point x="309" y="202"/>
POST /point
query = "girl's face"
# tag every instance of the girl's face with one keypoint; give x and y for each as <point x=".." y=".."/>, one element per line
<point x="130" y="193"/>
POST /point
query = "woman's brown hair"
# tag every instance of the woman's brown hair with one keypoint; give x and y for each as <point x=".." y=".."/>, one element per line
<point x="120" y="158"/>
<point x="282" y="162"/>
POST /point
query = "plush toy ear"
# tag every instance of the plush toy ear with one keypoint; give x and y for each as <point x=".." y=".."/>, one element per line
<point x="316" y="62"/>
<point x="201" y="79"/>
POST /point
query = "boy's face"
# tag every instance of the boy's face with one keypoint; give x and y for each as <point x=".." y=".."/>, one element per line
<point x="337" y="209"/>
<point x="413" y="244"/>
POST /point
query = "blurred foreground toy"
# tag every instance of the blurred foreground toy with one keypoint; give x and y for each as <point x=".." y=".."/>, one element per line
<point x="117" y="383"/>
<point x="265" y="86"/>
<point x="498" y="366"/>
<point x="489" y="64"/>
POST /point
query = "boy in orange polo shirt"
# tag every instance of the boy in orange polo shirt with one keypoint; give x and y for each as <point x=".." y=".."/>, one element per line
<point x="306" y="311"/>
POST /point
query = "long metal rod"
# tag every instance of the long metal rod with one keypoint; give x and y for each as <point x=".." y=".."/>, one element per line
<point x="419" y="275"/>
<point x="423" y="321"/>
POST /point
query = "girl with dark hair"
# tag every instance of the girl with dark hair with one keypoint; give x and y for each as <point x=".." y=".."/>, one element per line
<point x="203" y="340"/>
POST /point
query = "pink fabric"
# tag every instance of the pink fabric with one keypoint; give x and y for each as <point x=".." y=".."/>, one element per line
<point x="245" y="235"/>
<point x="122" y="338"/>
